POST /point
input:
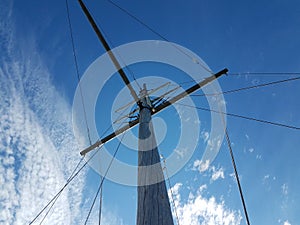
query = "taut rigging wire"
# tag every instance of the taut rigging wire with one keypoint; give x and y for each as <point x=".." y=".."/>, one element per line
<point x="249" y="87"/>
<point x="264" y="73"/>
<point x="100" y="202"/>
<point x="159" y="35"/>
<point x="77" y="71"/>
<point x="103" y="178"/>
<point x="237" y="176"/>
<point x="242" y="117"/>
<point x="61" y="190"/>
<point x="72" y="176"/>
<point x="120" y="57"/>
<point x="235" y="169"/>
<point x="53" y="203"/>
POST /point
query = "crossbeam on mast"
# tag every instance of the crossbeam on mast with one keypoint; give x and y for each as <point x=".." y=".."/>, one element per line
<point x="155" y="110"/>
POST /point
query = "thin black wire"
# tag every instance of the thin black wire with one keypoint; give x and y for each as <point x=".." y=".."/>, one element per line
<point x="120" y="57"/>
<point x="237" y="176"/>
<point x="70" y="179"/>
<point x="243" y="73"/>
<point x="77" y="71"/>
<point x="53" y="203"/>
<point x="158" y="34"/>
<point x="48" y="211"/>
<point x="66" y="184"/>
<point x="263" y="73"/>
<point x="243" y="117"/>
<point x="60" y="191"/>
<point x="249" y="87"/>
<point x="103" y="178"/>
<point x="235" y="168"/>
<point x="172" y="194"/>
<point x="130" y="71"/>
<point x="100" y="204"/>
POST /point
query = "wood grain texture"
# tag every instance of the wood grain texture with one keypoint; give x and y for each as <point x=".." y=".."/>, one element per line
<point x="153" y="201"/>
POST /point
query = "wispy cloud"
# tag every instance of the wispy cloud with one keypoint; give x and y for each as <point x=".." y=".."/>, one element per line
<point x="37" y="146"/>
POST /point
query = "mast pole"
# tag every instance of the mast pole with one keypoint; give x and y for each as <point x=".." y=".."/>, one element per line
<point x="153" y="202"/>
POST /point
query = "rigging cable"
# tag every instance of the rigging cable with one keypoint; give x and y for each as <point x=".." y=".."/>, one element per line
<point x="159" y="35"/>
<point x="236" y="174"/>
<point x="264" y="73"/>
<point x="70" y="179"/>
<point x="249" y="87"/>
<point x="82" y="100"/>
<point x="103" y="178"/>
<point x="235" y="169"/>
<point x="100" y="203"/>
<point x="120" y="57"/>
<point x="77" y="71"/>
<point x="169" y="183"/>
<point x="60" y="191"/>
<point x="66" y="184"/>
<point x="243" y="117"/>
<point x="53" y="203"/>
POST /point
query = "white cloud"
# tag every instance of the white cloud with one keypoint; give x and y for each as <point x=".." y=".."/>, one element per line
<point x="202" y="188"/>
<point x="204" y="166"/>
<point x="286" y="223"/>
<point x="285" y="189"/>
<point x="200" y="166"/>
<point x="204" y="211"/>
<point x="217" y="173"/>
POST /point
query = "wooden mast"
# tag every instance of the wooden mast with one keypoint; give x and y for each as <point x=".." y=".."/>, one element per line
<point x="153" y="201"/>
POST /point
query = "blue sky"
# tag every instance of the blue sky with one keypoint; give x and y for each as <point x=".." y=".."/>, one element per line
<point x="38" y="82"/>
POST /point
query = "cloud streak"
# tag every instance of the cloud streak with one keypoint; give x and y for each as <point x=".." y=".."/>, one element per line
<point x="37" y="147"/>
